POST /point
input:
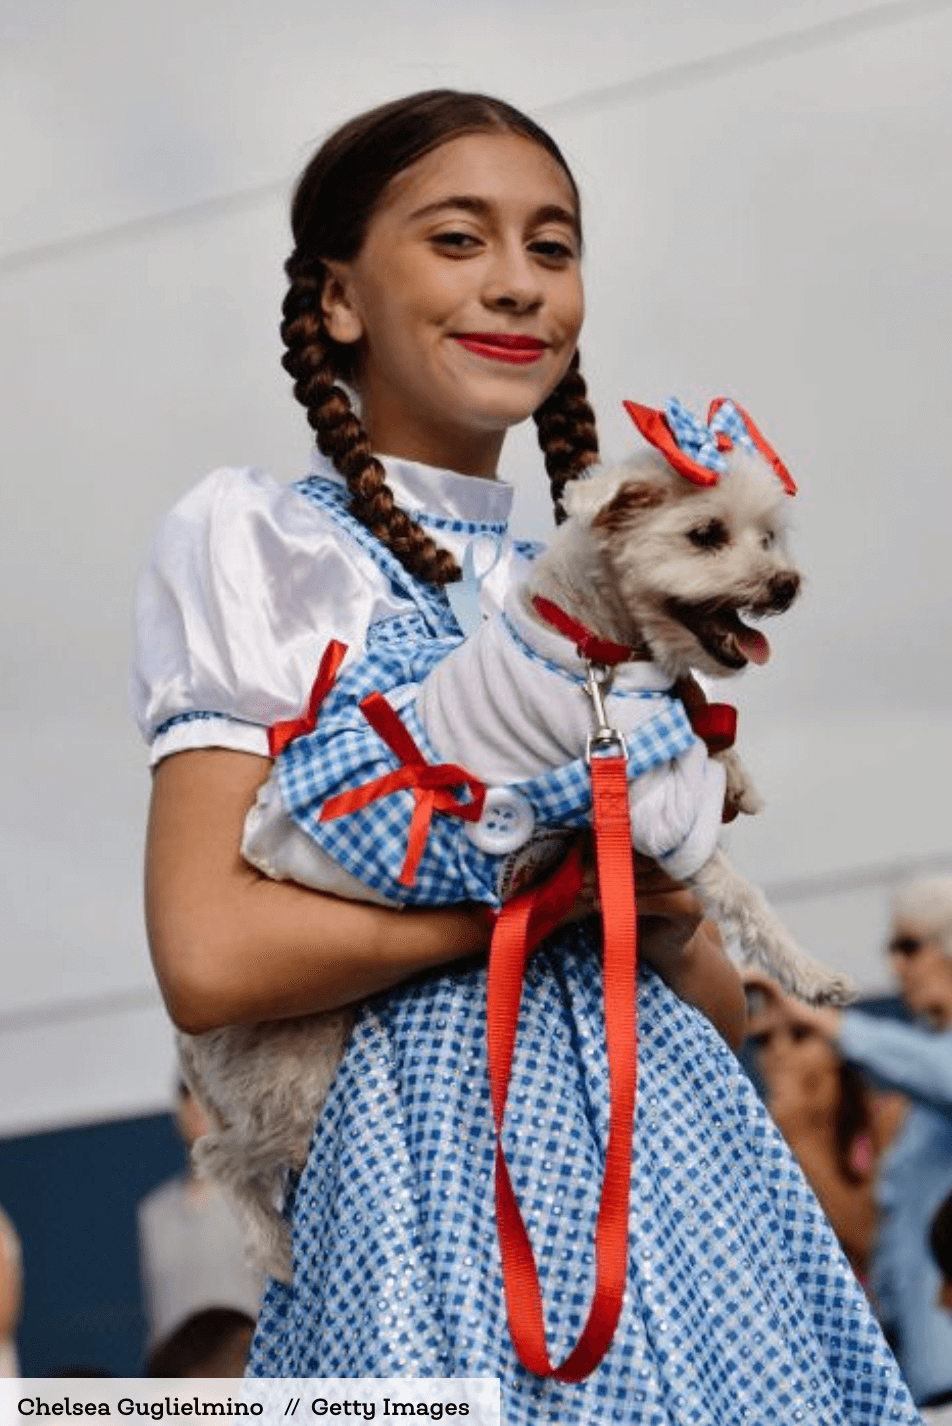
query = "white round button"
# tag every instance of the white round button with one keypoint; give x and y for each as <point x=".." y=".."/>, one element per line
<point x="507" y="822"/>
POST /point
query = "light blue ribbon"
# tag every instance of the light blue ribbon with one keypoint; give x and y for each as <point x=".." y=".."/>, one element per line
<point x="699" y="440"/>
<point x="463" y="594"/>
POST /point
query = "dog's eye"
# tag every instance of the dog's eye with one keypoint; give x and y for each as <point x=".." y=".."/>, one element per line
<point x="768" y="540"/>
<point x="710" y="536"/>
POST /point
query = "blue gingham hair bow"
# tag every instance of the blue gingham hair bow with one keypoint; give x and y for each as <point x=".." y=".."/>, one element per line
<point x="698" y="449"/>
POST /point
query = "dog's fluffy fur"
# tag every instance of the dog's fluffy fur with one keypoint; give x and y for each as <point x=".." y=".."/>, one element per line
<point x="651" y="561"/>
<point x="649" y="558"/>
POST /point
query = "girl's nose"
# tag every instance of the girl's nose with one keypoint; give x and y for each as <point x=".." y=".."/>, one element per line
<point x="512" y="282"/>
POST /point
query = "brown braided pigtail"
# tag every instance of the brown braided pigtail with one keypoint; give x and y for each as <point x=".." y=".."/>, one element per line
<point x="567" y="434"/>
<point x="317" y="365"/>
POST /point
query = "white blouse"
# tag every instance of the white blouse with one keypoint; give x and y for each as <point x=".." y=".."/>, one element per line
<point x="248" y="580"/>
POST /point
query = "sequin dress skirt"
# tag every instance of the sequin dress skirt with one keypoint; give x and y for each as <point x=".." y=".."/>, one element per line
<point x="740" y="1308"/>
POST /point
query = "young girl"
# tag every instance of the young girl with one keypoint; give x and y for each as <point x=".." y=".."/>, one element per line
<point x="436" y="273"/>
<point x="825" y="1110"/>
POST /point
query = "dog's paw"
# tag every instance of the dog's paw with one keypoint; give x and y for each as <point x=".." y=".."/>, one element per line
<point x="835" y="990"/>
<point x="813" y="983"/>
<point x="740" y="794"/>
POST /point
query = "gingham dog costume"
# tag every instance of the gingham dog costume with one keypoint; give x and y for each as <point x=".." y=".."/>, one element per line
<point x="478" y="704"/>
<point x="740" y="1308"/>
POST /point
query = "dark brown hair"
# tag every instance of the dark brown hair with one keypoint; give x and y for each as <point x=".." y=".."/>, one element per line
<point x="199" y="1345"/>
<point x="333" y="204"/>
<point x="853" y="1120"/>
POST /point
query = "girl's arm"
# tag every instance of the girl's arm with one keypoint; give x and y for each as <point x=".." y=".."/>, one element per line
<point x="686" y="950"/>
<point x="231" y="946"/>
<point x="697" y="968"/>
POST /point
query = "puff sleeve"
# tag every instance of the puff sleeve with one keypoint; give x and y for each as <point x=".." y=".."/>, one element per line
<point x="245" y="585"/>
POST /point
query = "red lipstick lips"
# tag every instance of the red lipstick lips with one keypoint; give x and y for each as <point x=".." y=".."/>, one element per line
<point x="503" y="346"/>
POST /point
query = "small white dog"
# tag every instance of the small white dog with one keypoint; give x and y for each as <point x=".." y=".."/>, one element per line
<point x="666" y="554"/>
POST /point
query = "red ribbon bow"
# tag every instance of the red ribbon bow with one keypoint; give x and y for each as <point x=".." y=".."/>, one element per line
<point x="715" y="724"/>
<point x="433" y="785"/>
<point x="654" y="426"/>
<point x="280" y="734"/>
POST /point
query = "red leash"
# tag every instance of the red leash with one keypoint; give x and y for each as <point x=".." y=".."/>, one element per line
<point x="522" y="923"/>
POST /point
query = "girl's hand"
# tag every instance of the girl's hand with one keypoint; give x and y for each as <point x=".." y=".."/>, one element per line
<point x="668" y="915"/>
<point x="683" y="947"/>
<point x="661" y="899"/>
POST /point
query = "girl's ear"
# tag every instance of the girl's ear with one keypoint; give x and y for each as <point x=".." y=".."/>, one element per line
<point x="341" y="317"/>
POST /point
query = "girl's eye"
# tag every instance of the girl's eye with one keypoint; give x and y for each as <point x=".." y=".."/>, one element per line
<point x="799" y="1033"/>
<point x="555" y="249"/>
<point x="456" y="241"/>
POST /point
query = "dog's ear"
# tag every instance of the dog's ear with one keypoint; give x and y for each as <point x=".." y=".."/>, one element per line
<point x="628" y="502"/>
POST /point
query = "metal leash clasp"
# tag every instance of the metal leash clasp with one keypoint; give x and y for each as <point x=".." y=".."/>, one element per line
<point x="604" y="740"/>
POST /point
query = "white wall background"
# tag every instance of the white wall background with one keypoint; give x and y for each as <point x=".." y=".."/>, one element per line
<point x="768" y="195"/>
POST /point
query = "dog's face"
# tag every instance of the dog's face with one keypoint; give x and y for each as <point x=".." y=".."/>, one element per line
<point x="688" y="563"/>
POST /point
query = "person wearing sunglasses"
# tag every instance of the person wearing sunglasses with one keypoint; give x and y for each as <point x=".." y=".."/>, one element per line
<point x="915" y="1173"/>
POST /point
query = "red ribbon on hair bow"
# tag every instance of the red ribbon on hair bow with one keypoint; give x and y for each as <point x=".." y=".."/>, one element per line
<point x="696" y="449"/>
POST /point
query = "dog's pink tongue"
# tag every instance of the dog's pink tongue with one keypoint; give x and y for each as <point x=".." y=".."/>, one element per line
<point x="753" y="645"/>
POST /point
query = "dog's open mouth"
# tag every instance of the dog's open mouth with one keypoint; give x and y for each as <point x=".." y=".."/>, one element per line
<point x="721" y="631"/>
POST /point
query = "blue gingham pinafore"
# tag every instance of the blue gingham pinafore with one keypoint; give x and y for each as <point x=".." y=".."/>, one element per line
<point x="740" y="1309"/>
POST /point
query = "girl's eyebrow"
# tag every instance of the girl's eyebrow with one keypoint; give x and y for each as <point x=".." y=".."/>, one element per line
<point x="548" y="213"/>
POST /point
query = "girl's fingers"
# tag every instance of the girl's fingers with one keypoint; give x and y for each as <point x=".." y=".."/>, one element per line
<point x="651" y="880"/>
<point x="679" y="906"/>
<point x="659" y="896"/>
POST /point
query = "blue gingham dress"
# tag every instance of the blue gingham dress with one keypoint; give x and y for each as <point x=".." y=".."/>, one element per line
<point x="740" y="1308"/>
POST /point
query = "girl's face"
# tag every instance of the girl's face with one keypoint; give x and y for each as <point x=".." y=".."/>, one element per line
<point x="465" y="301"/>
<point x="797" y="1064"/>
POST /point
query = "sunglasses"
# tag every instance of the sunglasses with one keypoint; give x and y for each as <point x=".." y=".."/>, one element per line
<point x="905" y="945"/>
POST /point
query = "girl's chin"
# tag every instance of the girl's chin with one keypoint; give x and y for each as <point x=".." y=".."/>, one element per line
<point x="507" y="394"/>
<point x="501" y="411"/>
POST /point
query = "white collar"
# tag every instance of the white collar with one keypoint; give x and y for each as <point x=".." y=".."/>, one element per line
<point x="443" y="494"/>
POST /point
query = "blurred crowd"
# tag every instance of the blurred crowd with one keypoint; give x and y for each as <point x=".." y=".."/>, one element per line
<point x="865" y="1103"/>
<point x="200" y="1299"/>
<point x="862" y="1096"/>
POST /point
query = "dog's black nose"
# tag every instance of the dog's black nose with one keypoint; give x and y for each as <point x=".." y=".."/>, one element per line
<point x="783" y="591"/>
